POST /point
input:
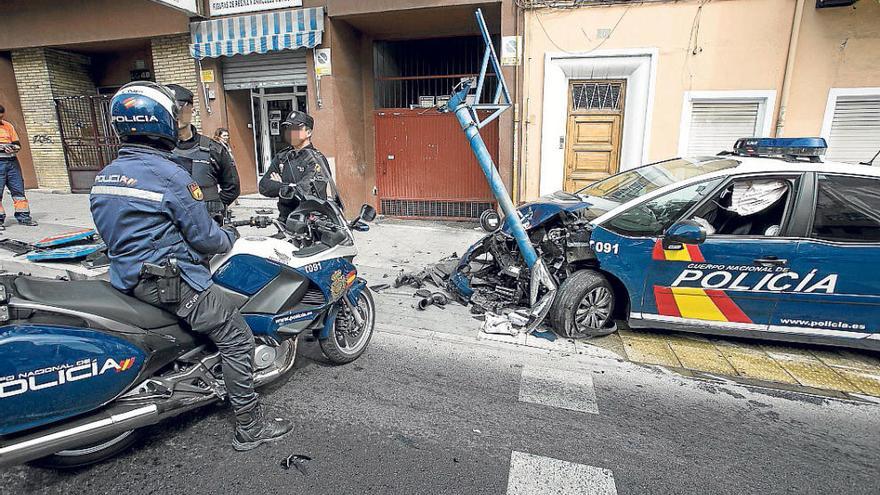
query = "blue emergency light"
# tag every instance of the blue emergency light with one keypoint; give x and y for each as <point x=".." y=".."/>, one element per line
<point x="810" y="147"/>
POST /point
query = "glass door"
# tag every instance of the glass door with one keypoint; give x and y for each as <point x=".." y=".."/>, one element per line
<point x="275" y="110"/>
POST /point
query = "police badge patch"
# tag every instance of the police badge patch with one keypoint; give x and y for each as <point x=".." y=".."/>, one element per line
<point x="196" y="192"/>
<point x="337" y="284"/>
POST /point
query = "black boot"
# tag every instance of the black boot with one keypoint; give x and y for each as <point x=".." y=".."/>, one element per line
<point x="254" y="429"/>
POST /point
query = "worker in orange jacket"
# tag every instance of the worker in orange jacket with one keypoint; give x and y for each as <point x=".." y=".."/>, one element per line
<point x="10" y="174"/>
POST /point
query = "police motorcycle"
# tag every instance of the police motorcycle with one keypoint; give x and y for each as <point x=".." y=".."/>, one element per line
<point x="84" y="367"/>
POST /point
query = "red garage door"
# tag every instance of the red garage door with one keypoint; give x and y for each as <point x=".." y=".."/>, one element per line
<point x="425" y="166"/>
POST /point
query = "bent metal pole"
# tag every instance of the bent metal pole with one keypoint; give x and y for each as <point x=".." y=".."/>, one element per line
<point x="471" y="130"/>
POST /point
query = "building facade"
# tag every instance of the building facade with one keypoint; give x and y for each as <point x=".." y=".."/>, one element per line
<point x="368" y="72"/>
<point x="610" y="87"/>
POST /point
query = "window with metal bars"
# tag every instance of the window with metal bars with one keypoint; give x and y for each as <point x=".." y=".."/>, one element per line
<point x="602" y="95"/>
<point x="423" y="73"/>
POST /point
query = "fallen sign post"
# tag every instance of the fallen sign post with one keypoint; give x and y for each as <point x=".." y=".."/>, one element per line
<point x="471" y="124"/>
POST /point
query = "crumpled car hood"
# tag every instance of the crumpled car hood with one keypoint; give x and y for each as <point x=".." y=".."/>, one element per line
<point x="533" y="214"/>
<point x="537" y="212"/>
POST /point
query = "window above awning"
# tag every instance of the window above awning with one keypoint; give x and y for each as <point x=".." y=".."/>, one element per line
<point x="259" y="33"/>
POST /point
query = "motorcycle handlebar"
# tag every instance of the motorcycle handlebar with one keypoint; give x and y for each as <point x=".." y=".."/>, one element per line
<point x="258" y="221"/>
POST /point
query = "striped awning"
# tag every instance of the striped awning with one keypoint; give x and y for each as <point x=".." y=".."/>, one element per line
<point x="260" y="33"/>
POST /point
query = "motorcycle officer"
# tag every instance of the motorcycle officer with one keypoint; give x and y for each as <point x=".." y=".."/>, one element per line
<point x="299" y="167"/>
<point x="208" y="161"/>
<point x="152" y="217"/>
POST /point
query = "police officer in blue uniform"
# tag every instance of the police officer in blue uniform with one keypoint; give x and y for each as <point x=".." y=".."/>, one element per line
<point x="299" y="167"/>
<point x="151" y="214"/>
<point x="208" y="161"/>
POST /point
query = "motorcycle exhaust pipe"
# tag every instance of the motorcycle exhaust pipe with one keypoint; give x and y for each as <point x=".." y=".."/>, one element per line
<point x="93" y="428"/>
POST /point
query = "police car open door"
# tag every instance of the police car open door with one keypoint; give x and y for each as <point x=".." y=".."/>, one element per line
<point x="735" y="278"/>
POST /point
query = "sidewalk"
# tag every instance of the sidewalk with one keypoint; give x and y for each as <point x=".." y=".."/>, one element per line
<point x="394" y="245"/>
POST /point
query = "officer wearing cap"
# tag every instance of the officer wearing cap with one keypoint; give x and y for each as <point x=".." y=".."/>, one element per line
<point x="299" y="166"/>
<point x="209" y="163"/>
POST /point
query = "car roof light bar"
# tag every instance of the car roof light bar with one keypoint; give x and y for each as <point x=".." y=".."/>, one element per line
<point x="808" y="147"/>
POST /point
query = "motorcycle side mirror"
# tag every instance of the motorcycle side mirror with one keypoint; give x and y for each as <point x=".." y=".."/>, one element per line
<point x="367" y="214"/>
<point x="362" y="227"/>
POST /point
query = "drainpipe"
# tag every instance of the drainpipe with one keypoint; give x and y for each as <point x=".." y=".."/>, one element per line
<point x="789" y="66"/>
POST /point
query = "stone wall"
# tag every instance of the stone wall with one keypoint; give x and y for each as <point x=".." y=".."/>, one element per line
<point x="172" y="63"/>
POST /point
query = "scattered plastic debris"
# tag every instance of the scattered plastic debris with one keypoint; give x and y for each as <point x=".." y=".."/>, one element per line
<point x="379" y="287"/>
<point x="497" y="324"/>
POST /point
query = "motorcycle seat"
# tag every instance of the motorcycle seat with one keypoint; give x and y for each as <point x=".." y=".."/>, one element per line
<point x="95" y="297"/>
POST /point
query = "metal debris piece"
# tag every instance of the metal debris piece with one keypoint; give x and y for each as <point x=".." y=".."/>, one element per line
<point x="497" y="324"/>
<point x="380" y="287"/>
<point x="297" y="461"/>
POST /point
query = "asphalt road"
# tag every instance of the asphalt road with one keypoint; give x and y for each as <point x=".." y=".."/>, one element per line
<point x="438" y="413"/>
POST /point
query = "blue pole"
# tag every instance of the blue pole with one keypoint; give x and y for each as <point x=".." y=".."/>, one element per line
<point x="466" y="119"/>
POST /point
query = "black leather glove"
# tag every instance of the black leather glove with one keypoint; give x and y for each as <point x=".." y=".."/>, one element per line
<point x="233" y="232"/>
<point x="287" y="191"/>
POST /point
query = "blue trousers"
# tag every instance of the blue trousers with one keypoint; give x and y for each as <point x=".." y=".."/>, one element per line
<point x="10" y="177"/>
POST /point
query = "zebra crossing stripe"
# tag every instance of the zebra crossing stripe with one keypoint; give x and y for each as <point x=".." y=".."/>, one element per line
<point x="560" y="389"/>
<point x="533" y="474"/>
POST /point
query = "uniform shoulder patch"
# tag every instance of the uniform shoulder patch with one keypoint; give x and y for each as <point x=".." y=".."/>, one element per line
<point x="196" y="191"/>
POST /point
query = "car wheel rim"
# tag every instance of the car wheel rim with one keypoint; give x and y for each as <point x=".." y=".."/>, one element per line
<point x="594" y="310"/>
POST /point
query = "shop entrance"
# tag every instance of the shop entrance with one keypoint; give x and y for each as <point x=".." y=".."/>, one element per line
<point x="270" y="107"/>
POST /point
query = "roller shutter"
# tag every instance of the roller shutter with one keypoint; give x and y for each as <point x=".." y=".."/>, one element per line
<point x="855" y="129"/>
<point x="716" y="125"/>
<point x="271" y="70"/>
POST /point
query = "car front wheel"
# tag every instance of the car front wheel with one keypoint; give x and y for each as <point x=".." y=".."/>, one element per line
<point x="584" y="306"/>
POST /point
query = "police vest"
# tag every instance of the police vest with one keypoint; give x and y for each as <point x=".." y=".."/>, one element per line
<point x="200" y="165"/>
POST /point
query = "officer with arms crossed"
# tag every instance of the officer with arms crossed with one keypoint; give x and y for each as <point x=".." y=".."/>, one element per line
<point x="299" y="167"/>
<point x="208" y="161"/>
<point x="151" y="215"/>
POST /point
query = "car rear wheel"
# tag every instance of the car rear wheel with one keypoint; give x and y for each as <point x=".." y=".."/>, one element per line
<point x="584" y="306"/>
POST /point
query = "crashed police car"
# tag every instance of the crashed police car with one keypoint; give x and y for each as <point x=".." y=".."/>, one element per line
<point x="766" y="241"/>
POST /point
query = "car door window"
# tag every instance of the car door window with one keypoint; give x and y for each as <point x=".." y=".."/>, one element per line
<point x="753" y="206"/>
<point x="652" y="218"/>
<point x="847" y="209"/>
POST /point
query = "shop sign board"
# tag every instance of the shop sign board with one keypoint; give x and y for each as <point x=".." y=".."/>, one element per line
<point x="226" y="7"/>
<point x="191" y="7"/>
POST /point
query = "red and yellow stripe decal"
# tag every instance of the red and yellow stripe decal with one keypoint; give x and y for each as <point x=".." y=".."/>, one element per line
<point x="350" y="278"/>
<point x="687" y="253"/>
<point x="698" y="304"/>
<point x="128" y="363"/>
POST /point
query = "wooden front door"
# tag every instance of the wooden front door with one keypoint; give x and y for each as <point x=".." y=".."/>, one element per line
<point x="593" y="136"/>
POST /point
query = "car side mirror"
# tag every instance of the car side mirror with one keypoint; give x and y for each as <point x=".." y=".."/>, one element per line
<point x="684" y="232"/>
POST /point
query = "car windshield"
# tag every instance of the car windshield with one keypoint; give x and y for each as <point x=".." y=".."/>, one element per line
<point x="631" y="184"/>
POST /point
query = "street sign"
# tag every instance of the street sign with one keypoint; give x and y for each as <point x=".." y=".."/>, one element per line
<point x="207" y="76"/>
<point x="323" y="66"/>
<point x="511" y="50"/>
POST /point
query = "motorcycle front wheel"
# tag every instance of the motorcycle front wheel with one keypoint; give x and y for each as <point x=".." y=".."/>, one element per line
<point x="348" y="340"/>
